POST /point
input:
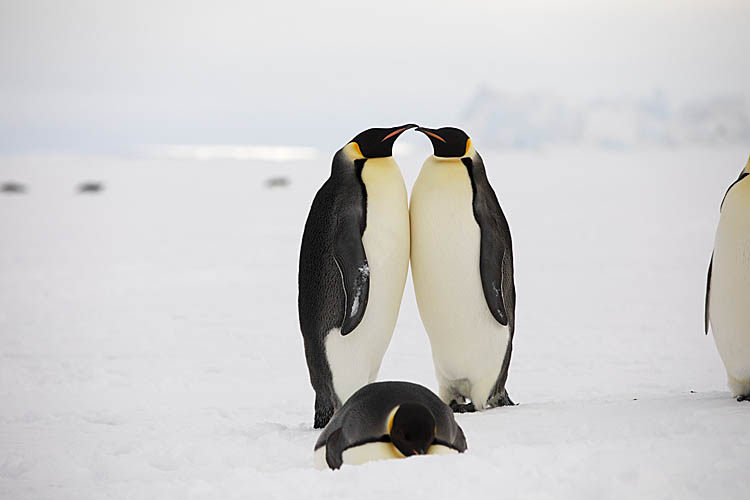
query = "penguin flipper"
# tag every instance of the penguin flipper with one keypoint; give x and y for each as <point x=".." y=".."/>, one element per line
<point x="708" y="295"/>
<point x="495" y="254"/>
<point x="351" y="260"/>
<point x="459" y="443"/>
<point x="334" y="457"/>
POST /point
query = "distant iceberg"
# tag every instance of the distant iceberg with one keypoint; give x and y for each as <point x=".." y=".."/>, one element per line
<point x="508" y="120"/>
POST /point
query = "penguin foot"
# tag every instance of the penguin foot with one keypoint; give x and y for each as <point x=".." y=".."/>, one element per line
<point x="743" y="397"/>
<point x="462" y="408"/>
<point x="502" y="399"/>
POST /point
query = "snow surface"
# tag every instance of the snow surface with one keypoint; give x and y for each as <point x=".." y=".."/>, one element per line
<point x="149" y="345"/>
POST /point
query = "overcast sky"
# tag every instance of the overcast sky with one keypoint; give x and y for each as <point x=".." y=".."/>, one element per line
<point x="101" y="75"/>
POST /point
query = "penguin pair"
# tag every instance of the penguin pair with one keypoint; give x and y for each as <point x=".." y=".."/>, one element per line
<point x="727" y="310"/>
<point x="357" y="243"/>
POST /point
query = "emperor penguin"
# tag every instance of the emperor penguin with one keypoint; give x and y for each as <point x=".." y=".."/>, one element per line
<point x="462" y="266"/>
<point x="388" y="420"/>
<point x="352" y="268"/>
<point x="727" y="309"/>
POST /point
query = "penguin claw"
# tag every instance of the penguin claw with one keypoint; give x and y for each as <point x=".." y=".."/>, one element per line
<point x="743" y="397"/>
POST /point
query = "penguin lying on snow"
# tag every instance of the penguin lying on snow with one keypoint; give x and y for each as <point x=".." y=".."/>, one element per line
<point x="462" y="266"/>
<point x="388" y="420"/>
<point x="728" y="286"/>
<point x="352" y="268"/>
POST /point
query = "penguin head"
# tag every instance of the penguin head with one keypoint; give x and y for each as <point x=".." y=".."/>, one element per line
<point x="378" y="142"/>
<point x="413" y="429"/>
<point x="447" y="142"/>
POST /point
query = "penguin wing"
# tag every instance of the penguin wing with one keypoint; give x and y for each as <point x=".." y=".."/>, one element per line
<point x="459" y="441"/>
<point x="349" y="253"/>
<point x="708" y="294"/>
<point x="495" y="254"/>
<point x="334" y="450"/>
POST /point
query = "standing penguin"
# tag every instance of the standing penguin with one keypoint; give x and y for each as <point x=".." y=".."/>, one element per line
<point x="388" y="420"/>
<point x="462" y="265"/>
<point x="728" y="286"/>
<point x="352" y="268"/>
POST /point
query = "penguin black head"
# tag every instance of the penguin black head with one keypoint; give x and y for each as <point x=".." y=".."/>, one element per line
<point x="378" y="142"/>
<point x="447" y="142"/>
<point x="413" y="429"/>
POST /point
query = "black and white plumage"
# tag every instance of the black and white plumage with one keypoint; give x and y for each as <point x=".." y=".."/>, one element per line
<point x="462" y="266"/>
<point x="727" y="310"/>
<point x="387" y="420"/>
<point x="352" y="270"/>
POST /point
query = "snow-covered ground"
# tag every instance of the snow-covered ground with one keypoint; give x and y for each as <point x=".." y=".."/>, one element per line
<point x="149" y="345"/>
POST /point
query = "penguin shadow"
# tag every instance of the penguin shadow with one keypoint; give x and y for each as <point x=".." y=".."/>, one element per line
<point x="12" y="187"/>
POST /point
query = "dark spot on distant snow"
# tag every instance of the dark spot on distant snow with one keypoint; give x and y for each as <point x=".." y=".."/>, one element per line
<point x="90" y="187"/>
<point x="274" y="182"/>
<point x="13" y="187"/>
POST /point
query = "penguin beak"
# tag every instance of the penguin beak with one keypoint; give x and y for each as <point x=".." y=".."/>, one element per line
<point x="398" y="131"/>
<point x="430" y="132"/>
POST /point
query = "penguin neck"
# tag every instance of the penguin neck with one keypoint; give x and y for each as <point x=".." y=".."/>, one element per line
<point x="442" y="162"/>
<point x="737" y="201"/>
<point x="381" y="173"/>
<point x="447" y="176"/>
<point x="447" y="160"/>
<point x="352" y="151"/>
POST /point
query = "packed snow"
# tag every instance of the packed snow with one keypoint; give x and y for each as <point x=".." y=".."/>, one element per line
<point x="149" y="345"/>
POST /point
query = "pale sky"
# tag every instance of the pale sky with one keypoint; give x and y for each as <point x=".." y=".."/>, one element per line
<point x="100" y="75"/>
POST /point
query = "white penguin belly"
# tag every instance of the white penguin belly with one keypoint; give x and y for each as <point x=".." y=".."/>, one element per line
<point x="355" y="358"/>
<point x="729" y="307"/>
<point x="468" y="344"/>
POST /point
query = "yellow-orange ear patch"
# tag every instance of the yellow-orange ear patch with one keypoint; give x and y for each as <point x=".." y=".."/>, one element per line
<point x="390" y="419"/>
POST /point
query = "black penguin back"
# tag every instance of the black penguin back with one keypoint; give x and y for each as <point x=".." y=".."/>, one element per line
<point x="364" y="418"/>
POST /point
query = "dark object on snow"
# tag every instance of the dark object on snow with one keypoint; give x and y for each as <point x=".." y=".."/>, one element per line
<point x="90" y="187"/>
<point x="388" y="420"/>
<point x="13" y="187"/>
<point x="274" y="182"/>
